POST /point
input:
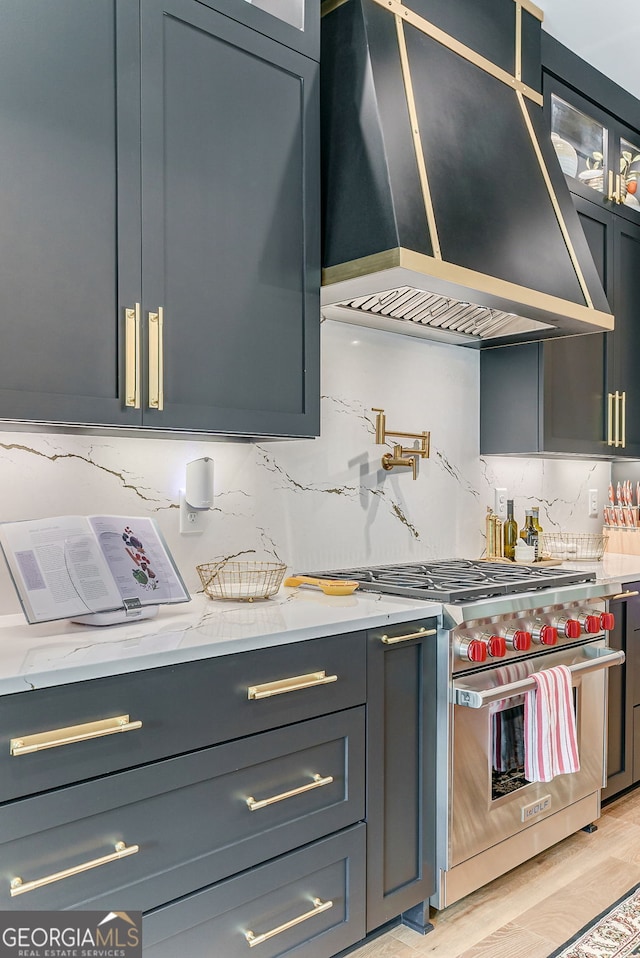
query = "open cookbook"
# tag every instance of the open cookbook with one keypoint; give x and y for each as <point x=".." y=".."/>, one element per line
<point x="92" y="567"/>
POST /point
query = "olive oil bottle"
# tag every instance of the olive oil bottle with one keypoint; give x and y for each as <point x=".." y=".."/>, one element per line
<point x="510" y="532"/>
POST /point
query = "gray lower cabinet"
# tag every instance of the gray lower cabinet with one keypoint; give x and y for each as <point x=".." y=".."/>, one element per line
<point x="185" y="822"/>
<point x="401" y="722"/>
<point x="284" y="793"/>
<point x="623" y="714"/>
<point x="180" y="708"/>
<point x="309" y="904"/>
<point x="159" y="258"/>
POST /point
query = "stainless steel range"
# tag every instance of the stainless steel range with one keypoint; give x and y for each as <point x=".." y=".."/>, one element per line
<point x="500" y="624"/>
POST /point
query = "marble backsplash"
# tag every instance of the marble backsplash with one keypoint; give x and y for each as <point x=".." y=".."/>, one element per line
<point x="315" y="504"/>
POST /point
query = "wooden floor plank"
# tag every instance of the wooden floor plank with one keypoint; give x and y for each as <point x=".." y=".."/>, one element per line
<point x="539" y="905"/>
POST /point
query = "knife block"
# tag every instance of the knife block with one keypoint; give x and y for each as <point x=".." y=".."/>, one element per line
<point x="625" y="541"/>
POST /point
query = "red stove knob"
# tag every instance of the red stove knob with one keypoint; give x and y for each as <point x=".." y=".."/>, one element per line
<point x="548" y="635"/>
<point x="590" y="622"/>
<point x="518" y="640"/>
<point x="607" y="621"/>
<point x="544" y="634"/>
<point x="570" y="628"/>
<point x="475" y="650"/>
<point x="496" y="645"/>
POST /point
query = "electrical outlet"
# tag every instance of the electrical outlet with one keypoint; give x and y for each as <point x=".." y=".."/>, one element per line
<point x="500" y="504"/>
<point x="593" y="503"/>
<point x="192" y="522"/>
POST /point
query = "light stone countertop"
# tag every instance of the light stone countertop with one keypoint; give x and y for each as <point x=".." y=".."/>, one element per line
<point x="57" y="653"/>
<point x="614" y="567"/>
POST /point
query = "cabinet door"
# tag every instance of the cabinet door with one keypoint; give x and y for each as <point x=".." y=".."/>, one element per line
<point x="575" y="367"/>
<point x="620" y="706"/>
<point x="623" y="768"/>
<point x="296" y="23"/>
<point x="401" y="731"/>
<point x="626" y="339"/>
<point x="230" y="226"/>
<point x="69" y="244"/>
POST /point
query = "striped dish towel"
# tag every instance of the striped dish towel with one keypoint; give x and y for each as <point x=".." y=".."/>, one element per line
<point x="550" y="739"/>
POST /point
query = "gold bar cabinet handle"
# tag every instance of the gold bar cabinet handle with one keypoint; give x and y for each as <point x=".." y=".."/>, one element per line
<point x="623" y="595"/>
<point x="610" y="419"/>
<point x="27" y="744"/>
<point x="318" y="907"/>
<point x="20" y="887"/>
<point x="616" y="428"/>
<point x="611" y="195"/>
<point x="293" y="684"/>
<point x="132" y="357"/>
<point x="421" y="633"/>
<point x="156" y="359"/>
<point x="623" y="420"/>
<point x="317" y="782"/>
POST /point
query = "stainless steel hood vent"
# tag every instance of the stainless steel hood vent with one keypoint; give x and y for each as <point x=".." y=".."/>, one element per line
<point x="446" y="214"/>
<point x="410" y="305"/>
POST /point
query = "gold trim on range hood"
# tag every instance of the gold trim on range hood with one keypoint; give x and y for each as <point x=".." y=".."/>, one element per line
<point x="387" y="289"/>
<point x="397" y="269"/>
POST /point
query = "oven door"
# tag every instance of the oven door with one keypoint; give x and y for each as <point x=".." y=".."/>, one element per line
<point x="490" y="799"/>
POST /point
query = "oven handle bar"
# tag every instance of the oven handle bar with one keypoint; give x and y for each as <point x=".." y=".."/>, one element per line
<point x="598" y="659"/>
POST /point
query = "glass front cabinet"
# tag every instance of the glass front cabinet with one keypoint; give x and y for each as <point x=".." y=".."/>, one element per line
<point x="599" y="156"/>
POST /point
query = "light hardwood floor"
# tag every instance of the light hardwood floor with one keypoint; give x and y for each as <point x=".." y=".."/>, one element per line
<point x="533" y="909"/>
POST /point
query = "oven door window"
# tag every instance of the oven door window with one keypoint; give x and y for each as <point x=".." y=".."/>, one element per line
<point x="507" y="745"/>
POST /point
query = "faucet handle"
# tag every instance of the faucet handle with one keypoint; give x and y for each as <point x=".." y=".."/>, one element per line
<point x="381" y="426"/>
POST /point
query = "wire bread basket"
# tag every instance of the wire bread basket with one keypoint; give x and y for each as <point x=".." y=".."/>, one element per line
<point x="572" y="545"/>
<point x="243" y="581"/>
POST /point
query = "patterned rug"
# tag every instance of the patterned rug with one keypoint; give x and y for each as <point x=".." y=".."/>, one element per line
<point x="613" y="934"/>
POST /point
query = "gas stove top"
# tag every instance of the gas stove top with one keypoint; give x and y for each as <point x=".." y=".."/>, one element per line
<point x="459" y="580"/>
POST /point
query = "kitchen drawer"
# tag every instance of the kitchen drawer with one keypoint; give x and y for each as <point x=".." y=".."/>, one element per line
<point x="189" y="817"/>
<point x="215" y="921"/>
<point x="181" y="708"/>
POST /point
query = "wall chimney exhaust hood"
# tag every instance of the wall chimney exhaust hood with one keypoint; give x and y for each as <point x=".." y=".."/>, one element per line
<point x="445" y="211"/>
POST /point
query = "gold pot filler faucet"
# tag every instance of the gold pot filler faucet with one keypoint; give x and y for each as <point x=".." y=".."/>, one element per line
<point x="401" y="455"/>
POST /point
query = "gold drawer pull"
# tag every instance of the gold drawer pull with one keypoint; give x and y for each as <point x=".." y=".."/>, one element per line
<point x="318" y="782"/>
<point x="623" y="595"/>
<point x="156" y="359"/>
<point x="19" y="887"/>
<point x="293" y="684"/>
<point x="132" y="357"/>
<point x="318" y="906"/>
<point x="405" y="638"/>
<point x="73" y="733"/>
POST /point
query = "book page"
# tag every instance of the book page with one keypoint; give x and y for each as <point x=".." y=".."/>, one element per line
<point x="57" y="568"/>
<point x="138" y="559"/>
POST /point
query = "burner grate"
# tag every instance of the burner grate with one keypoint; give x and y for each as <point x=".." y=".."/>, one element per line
<point x="457" y="580"/>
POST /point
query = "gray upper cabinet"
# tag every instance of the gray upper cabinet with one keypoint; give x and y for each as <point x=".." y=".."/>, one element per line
<point x="296" y="23"/>
<point x="68" y="156"/>
<point x="229" y="169"/>
<point x="160" y="263"/>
